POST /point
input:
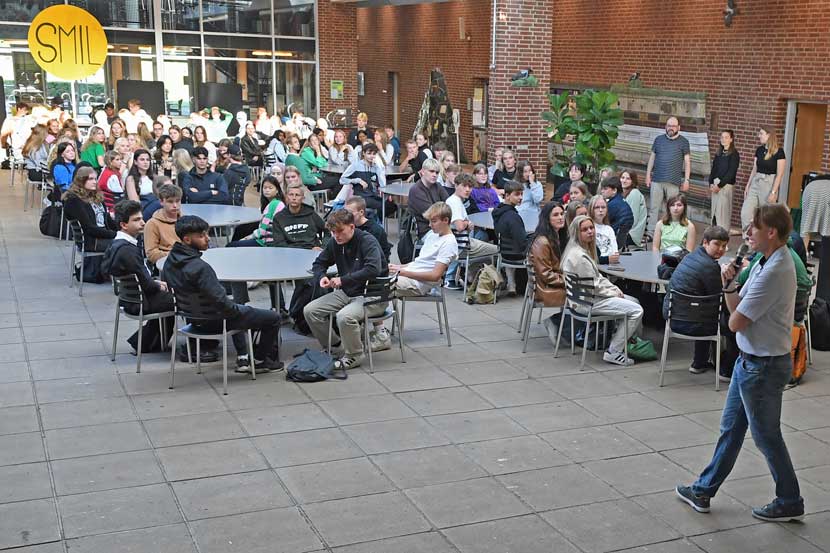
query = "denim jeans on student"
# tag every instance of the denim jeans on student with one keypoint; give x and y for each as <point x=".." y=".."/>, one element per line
<point x="754" y="401"/>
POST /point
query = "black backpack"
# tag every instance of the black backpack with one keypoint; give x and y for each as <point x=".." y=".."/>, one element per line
<point x="313" y="366"/>
<point x="820" y="324"/>
<point x="303" y="294"/>
<point x="406" y="244"/>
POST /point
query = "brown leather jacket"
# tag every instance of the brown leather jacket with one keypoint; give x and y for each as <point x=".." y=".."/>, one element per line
<point x="550" y="282"/>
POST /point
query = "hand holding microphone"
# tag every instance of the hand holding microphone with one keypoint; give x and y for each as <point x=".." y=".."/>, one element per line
<point x="731" y="271"/>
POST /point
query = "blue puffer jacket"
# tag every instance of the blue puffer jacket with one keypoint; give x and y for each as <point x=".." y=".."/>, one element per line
<point x="620" y="214"/>
<point x="697" y="275"/>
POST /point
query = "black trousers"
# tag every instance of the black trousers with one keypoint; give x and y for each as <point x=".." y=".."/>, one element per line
<point x="265" y="321"/>
<point x="151" y="337"/>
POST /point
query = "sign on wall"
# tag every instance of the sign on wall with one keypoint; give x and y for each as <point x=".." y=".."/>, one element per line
<point x="68" y="42"/>
<point x="336" y="90"/>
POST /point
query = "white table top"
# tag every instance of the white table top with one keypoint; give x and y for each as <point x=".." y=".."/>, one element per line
<point x="642" y="266"/>
<point x="400" y="188"/>
<point x="392" y="171"/>
<point x="484" y="219"/>
<point x="218" y="215"/>
<point x="265" y="264"/>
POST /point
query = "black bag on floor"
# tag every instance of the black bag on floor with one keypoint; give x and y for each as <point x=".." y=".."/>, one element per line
<point x="50" y="221"/>
<point x="302" y="296"/>
<point x="93" y="273"/>
<point x="406" y="245"/>
<point x="820" y="324"/>
<point x="313" y="366"/>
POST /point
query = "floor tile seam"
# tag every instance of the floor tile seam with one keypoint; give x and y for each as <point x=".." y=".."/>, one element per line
<point x="160" y="465"/>
<point x="127" y="531"/>
<point x="618" y="425"/>
<point x="476" y="394"/>
<point x="822" y="440"/>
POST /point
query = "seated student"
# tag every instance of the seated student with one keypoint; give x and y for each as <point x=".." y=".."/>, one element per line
<point x="606" y="239"/>
<point x="545" y="255"/>
<point x="359" y="259"/>
<point x="507" y="171"/>
<point x="580" y="258"/>
<point x="619" y="212"/>
<point x="460" y="223"/>
<point x="635" y="200"/>
<point x="576" y="172"/>
<point x="675" y="229"/>
<point x="699" y="274"/>
<point x="511" y="230"/>
<point x="451" y="173"/>
<point x="63" y="168"/>
<point x="366" y="178"/>
<point x="439" y="251"/>
<point x="84" y="203"/>
<point x="573" y="209"/>
<point x="446" y="159"/>
<point x="357" y="207"/>
<point x="578" y="193"/>
<point x="109" y="181"/>
<point x="533" y="191"/>
<point x="187" y="273"/>
<point x="299" y="226"/>
<point x="393" y="140"/>
<point x="237" y="175"/>
<point x="160" y="232"/>
<point x="425" y="192"/>
<point x="201" y="185"/>
<point x="154" y="204"/>
<point x="123" y="257"/>
<point x="308" y="173"/>
<point x="485" y="196"/>
<point x="413" y="160"/>
<point x="139" y="182"/>
<point x="271" y="203"/>
<point x="180" y="142"/>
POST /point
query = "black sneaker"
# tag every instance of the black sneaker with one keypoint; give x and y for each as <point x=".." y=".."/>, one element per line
<point x="699" y="503"/>
<point x="724" y="377"/>
<point x="206" y="356"/>
<point x="774" y="512"/>
<point x="697" y="369"/>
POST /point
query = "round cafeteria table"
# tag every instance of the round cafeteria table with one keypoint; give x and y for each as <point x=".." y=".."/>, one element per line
<point x="638" y="265"/>
<point x="393" y="172"/>
<point x="264" y="264"/>
<point x="218" y="215"/>
<point x="398" y="188"/>
<point x="484" y="219"/>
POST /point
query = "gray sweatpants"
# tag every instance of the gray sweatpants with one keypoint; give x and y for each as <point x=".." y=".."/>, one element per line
<point x="348" y="319"/>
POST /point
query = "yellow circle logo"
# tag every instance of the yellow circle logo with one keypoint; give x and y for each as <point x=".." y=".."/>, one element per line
<point x="68" y="42"/>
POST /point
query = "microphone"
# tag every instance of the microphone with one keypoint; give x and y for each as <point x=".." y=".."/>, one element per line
<point x="738" y="261"/>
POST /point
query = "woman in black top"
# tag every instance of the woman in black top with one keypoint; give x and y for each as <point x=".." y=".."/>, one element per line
<point x="507" y="172"/>
<point x="84" y="203"/>
<point x="767" y="172"/>
<point x="722" y="179"/>
<point x="250" y="146"/>
<point x="576" y="172"/>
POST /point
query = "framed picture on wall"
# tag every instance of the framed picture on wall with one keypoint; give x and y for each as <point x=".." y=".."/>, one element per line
<point x="361" y="84"/>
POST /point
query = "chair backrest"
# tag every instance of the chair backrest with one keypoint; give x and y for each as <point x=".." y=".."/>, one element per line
<point x="127" y="289"/>
<point x="531" y="273"/>
<point x="462" y="238"/>
<point x="194" y="307"/>
<point x="77" y="233"/>
<point x="580" y="290"/>
<point x="694" y="309"/>
<point x="379" y="290"/>
<point x="507" y="250"/>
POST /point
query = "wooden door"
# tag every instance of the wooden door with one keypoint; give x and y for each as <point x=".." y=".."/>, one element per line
<point x="808" y="146"/>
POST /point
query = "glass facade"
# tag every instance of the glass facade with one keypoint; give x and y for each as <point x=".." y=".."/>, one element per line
<point x="269" y="47"/>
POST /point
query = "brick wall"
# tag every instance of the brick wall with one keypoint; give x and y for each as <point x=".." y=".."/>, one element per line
<point x="775" y="51"/>
<point x="413" y="40"/>
<point x="338" y="60"/>
<point x="523" y="38"/>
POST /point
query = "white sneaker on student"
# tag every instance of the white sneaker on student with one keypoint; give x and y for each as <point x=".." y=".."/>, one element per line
<point x="348" y="362"/>
<point x="617" y="358"/>
<point x="380" y="340"/>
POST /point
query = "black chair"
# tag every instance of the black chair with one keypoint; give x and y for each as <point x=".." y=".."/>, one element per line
<point x="440" y="301"/>
<point x="622" y="237"/>
<point x="377" y="292"/>
<point x="581" y="297"/>
<point x="693" y="309"/>
<point x="508" y="258"/>
<point x="128" y="291"/>
<point x="529" y="303"/>
<point x="465" y="259"/>
<point x="197" y="309"/>
<point x="78" y="248"/>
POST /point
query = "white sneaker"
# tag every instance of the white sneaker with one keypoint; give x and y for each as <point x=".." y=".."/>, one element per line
<point x="380" y="340"/>
<point x="617" y="358"/>
<point x="553" y="330"/>
<point x="253" y="284"/>
<point x="348" y="362"/>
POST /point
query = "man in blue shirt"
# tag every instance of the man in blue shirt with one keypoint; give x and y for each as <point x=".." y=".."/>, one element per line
<point x="762" y="318"/>
<point x="669" y="168"/>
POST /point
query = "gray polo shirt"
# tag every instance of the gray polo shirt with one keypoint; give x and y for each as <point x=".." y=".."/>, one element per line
<point x="668" y="158"/>
<point x="768" y="300"/>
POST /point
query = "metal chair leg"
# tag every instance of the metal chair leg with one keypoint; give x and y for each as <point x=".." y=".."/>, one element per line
<point x="225" y="360"/>
<point x="665" y="352"/>
<point x="446" y="319"/>
<point x="251" y="354"/>
<point x="367" y="342"/>
<point x="140" y="335"/>
<point x="400" y="335"/>
<point x="717" y="363"/>
<point x="438" y="311"/>
<point x="173" y="354"/>
<point x="72" y="268"/>
<point x="115" y="329"/>
<point x="559" y="333"/>
<point x="81" y="274"/>
<point x="585" y="342"/>
<point x="198" y="356"/>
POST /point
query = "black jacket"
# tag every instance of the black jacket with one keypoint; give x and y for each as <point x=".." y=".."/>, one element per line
<point x="237" y="176"/>
<point x="421" y="198"/>
<point x="620" y="215"/>
<point x="187" y="273"/>
<point x="511" y="230"/>
<point x="80" y="210"/>
<point x="696" y="275"/>
<point x="250" y="149"/>
<point x="358" y="261"/>
<point x="205" y="184"/>
<point x="380" y="235"/>
<point x="123" y="258"/>
<point x="725" y="167"/>
<point x="297" y="231"/>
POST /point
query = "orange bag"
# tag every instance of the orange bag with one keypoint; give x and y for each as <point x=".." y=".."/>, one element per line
<point x="799" y="353"/>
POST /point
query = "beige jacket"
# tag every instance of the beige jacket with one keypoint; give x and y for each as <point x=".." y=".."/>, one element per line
<point x="159" y="236"/>
<point x="576" y="260"/>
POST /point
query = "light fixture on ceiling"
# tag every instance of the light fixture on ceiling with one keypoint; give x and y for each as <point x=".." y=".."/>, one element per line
<point x="269" y="53"/>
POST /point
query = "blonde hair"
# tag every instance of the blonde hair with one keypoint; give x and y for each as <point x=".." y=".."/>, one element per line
<point x="182" y="161"/>
<point x="772" y="141"/>
<point x="438" y="209"/>
<point x="112" y="138"/>
<point x="444" y="155"/>
<point x="35" y="140"/>
<point x="88" y="142"/>
<point x="592" y="204"/>
<point x="573" y="232"/>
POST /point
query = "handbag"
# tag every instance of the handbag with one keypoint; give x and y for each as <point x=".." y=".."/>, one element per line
<point x="313" y="366"/>
<point x="641" y="349"/>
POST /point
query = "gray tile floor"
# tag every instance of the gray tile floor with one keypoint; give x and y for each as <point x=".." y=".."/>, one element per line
<point x="475" y="448"/>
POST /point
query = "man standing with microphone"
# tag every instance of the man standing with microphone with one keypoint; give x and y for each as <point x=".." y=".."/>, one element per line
<point x="761" y="316"/>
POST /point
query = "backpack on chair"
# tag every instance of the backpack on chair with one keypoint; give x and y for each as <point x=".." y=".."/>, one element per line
<point x="483" y="288"/>
<point x="406" y="244"/>
<point x="799" y="353"/>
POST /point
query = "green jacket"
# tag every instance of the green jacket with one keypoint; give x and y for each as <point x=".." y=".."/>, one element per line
<point x="308" y="176"/>
<point x="313" y="159"/>
<point x="802" y="278"/>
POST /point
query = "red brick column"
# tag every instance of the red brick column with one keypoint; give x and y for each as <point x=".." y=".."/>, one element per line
<point x="337" y="32"/>
<point x="523" y="40"/>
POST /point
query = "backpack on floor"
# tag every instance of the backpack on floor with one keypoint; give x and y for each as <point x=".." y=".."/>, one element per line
<point x="820" y="324"/>
<point x="799" y="353"/>
<point x="483" y="288"/>
<point x="313" y="366"/>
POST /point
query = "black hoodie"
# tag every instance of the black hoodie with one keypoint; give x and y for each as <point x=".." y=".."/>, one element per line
<point x="187" y="273"/>
<point x="123" y="258"/>
<point x="511" y="229"/>
<point x="358" y="261"/>
<point x="297" y="231"/>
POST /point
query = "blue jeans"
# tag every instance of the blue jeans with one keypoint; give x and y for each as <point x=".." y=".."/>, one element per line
<point x="754" y="401"/>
